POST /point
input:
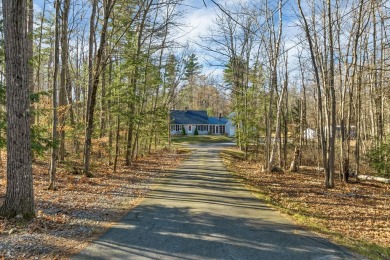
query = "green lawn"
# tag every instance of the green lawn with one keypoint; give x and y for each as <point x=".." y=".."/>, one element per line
<point x="193" y="139"/>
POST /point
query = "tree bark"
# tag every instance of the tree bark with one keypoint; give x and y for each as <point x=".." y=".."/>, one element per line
<point x="63" y="79"/>
<point x="19" y="197"/>
<point x="331" y="144"/>
<point x="39" y="62"/>
<point x="321" y="137"/>
<point x="274" y="57"/>
<point x="31" y="54"/>
<point x="117" y="142"/>
<point x="93" y="84"/>
<point x="88" y="131"/>
<point x="54" y="134"/>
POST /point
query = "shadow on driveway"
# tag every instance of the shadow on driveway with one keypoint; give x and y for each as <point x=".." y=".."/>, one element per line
<point x="201" y="212"/>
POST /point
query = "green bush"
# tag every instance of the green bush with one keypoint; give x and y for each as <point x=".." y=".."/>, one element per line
<point x="379" y="158"/>
<point x="40" y="141"/>
<point x="183" y="131"/>
<point x="196" y="131"/>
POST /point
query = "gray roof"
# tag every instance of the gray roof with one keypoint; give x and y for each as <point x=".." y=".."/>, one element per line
<point x="196" y="117"/>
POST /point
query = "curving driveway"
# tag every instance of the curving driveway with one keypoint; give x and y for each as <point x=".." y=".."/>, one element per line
<point x="201" y="212"/>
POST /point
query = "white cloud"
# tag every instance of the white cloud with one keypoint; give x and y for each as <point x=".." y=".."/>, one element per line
<point x="198" y="20"/>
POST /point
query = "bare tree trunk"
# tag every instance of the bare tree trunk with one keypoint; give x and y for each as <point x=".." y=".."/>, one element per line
<point x="169" y="129"/>
<point x="376" y="83"/>
<point x="94" y="84"/>
<point x="359" y="117"/>
<point x="88" y="131"/>
<point x="117" y="143"/>
<point x="277" y="132"/>
<point x="321" y="137"/>
<point x="30" y="50"/>
<point x="19" y="197"/>
<point x="302" y="120"/>
<point x="286" y="112"/>
<point x="130" y="132"/>
<point x="331" y="145"/>
<point x="63" y="83"/>
<point x="110" y="116"/>
<point x="54" y="150"/>
<point x="274" y="56"/>
<point x="103" y="109"/>
<point x="294" y="167"/>
<point x="39" y="61"/>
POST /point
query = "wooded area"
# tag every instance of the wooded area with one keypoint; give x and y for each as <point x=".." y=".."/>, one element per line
<point x="331" y="79"/>
<point x="96" y="80"/>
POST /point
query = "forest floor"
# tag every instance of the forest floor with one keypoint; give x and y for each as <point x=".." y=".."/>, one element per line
<point x="82" y="208"/>
<point x="356" y="214"/>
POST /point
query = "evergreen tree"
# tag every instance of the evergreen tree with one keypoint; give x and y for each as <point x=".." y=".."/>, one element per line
<point x="192" y="71"/>
<point x="192" y="68"/>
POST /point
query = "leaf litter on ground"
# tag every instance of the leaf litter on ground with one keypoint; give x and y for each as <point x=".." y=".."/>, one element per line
<point x="81" y="208"/>
<point x="357" y="212"/>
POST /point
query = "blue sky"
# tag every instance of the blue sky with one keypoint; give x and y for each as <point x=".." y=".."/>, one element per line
<point x="200" y="19"/>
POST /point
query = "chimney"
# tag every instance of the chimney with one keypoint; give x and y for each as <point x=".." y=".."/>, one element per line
<point x="220" y="115"/>
<point x="186" y="108"/>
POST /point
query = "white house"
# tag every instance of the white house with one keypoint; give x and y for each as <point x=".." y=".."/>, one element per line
<point x="309" y="134"/>
<point x="230" y="125"/>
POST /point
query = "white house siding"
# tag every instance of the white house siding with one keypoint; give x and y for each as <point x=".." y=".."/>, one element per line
<point x="192" y="132"/>
<point x="188" y="131"/>
<point x="230" y="128"/>
<point x="232" y="131"/>
<point x="310" y="134"/>
<point x="200" y="132"/>
<point x="176" y="129"/>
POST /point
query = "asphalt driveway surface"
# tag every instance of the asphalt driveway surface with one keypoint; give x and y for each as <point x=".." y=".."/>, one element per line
<point x="201" y="212"/>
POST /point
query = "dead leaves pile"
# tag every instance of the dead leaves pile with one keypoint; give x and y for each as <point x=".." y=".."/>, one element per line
<point x="358" y="211"/>
<point x="81" y="208"/>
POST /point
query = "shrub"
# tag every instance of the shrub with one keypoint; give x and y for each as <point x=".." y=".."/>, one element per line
<point x="379" y="158"/>
<point x="183" y="131"/>
<point x="196" y="131"/>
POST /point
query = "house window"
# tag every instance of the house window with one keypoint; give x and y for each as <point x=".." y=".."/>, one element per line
<point x="176" y="128"/>
<point x="189" y="128"/>
<point x="202" y="127"/>
<point x="221" y="129"/>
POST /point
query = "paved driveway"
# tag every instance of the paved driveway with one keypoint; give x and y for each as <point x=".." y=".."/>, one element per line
<point x="201" y="212"/>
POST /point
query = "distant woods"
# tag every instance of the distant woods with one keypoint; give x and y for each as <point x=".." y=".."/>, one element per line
<point x="301" y="67"/>
<point x="102" y="76"/>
